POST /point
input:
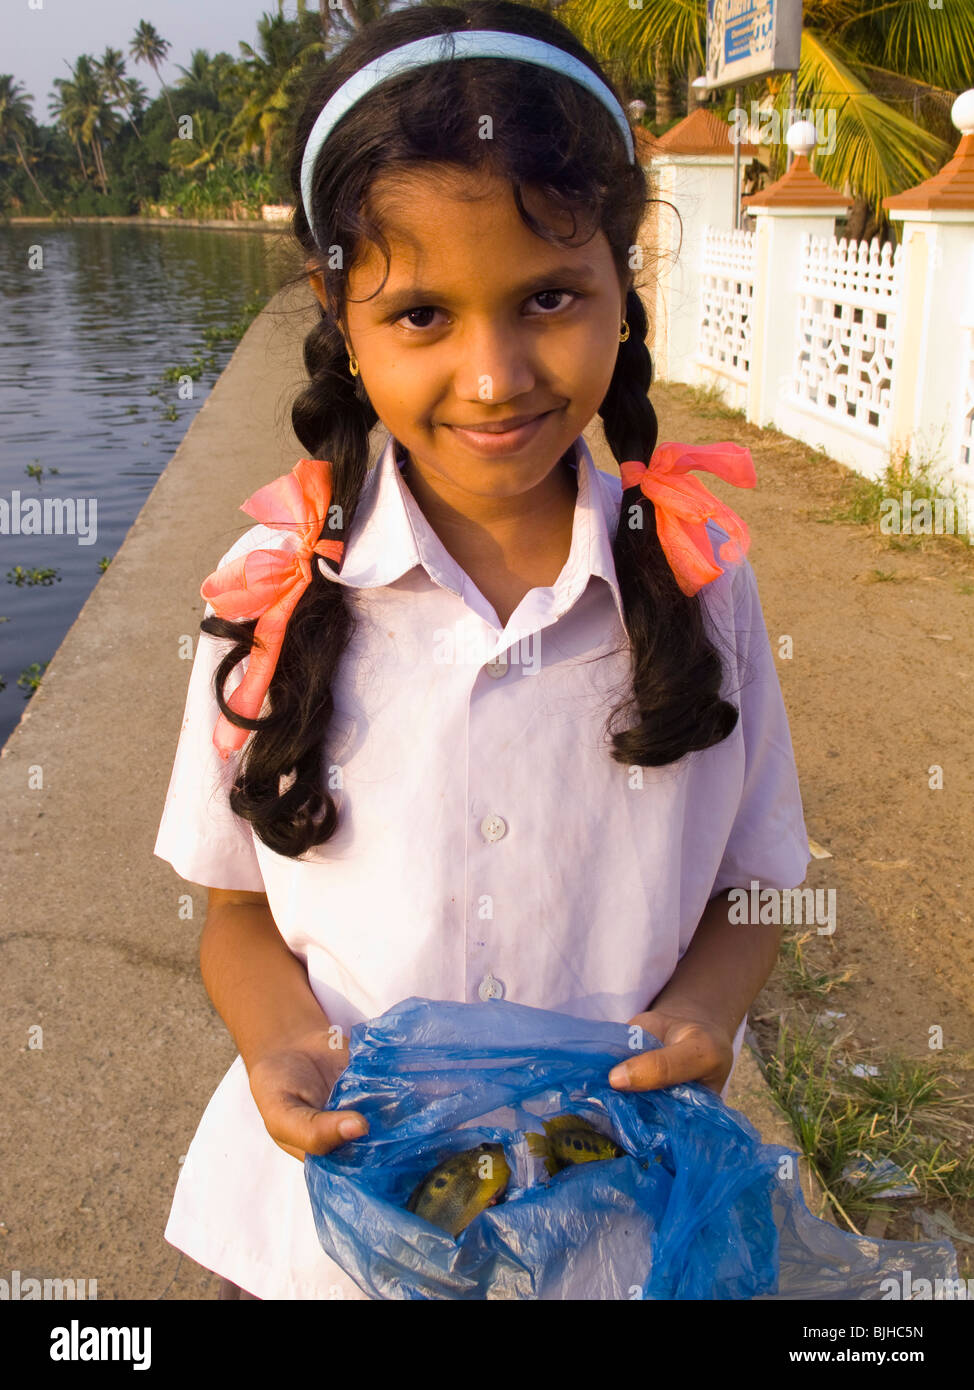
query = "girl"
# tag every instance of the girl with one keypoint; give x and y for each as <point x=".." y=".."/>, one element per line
<point x="424" y="658"/>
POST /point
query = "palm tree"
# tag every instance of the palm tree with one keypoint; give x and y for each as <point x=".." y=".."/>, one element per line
<point x="81" y="108"/>
<point x="663" y="86"/>
<point x="16" y="122"/>
<point x="115" y="85"/>
<point x="136" y="98"/>
<point x="848" y="49"/>
<point x="274" y="69"/>
<point x="148" y="47"/>
<point x="203" y="82"/>
<point x="63" y="108"/>
<point x="207" y="146"/>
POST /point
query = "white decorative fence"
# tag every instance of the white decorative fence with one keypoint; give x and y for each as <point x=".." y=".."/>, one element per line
<point x="860" y="349"/>
<point x="847" y="325"/>
<point x="726" y="295"/>
<point x="850" y="301"/>
<point x="826" y="365"/>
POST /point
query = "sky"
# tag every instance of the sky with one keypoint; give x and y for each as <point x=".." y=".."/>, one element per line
<point x="36" y="36"/>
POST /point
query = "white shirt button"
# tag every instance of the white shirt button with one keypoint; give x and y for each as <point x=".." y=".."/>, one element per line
<point x="490" y="988"/>
<point x="493" y="828"/>
<point x="498" y="666"/>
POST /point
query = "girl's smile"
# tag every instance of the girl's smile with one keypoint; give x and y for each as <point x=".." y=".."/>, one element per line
<point x="505" y="437"/>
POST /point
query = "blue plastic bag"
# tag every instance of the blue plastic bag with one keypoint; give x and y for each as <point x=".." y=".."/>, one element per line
<point x="697" y="1208"/>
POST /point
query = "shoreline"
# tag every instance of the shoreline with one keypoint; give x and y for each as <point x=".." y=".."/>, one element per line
<point x="219" y="223"/>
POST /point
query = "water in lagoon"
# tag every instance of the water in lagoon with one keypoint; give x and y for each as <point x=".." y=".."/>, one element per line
<point x="82" y="341"/>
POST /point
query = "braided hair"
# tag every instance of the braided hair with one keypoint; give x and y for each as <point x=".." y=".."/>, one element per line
<point x="548" y="133"/>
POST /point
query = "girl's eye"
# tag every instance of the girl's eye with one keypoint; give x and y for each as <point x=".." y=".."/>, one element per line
<point x="541" y="294"/>
<point x="544" y="294"/>
<point x="427" y="309"/>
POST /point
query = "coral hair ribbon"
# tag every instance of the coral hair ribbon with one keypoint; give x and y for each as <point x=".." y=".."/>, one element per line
<point x="267" y="584"/>
<point x="683" y="505"/>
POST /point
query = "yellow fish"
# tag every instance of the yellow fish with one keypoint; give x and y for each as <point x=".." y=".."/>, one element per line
<point x="570" y="1139"/>
<point x="461" y="1187"/>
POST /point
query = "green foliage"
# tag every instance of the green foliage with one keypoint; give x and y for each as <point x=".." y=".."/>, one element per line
<point x="231" y="332"/>
<point x="905" y="1114"/>
<point x="30" y="679"/>
<point x="194" y="369"/>
<point x="88" y="202"/>
<point x="29" y="578"/>
<point x="920" y="474"/>
<point x="112" y="151"/>
<point x="227" y="189"/>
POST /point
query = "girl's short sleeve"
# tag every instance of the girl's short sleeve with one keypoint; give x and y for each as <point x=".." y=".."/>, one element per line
<point x="768" y="840"/>
<point x="199" y="835"/>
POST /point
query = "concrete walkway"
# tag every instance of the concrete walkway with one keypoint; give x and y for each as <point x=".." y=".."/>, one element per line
<point x="99" y="943"/>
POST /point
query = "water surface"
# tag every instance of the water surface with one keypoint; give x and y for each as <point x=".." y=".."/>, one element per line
<point x="83" y="340"/>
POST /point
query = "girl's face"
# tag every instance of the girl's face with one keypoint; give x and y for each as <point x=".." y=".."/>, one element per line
<point x="480" y="322"/>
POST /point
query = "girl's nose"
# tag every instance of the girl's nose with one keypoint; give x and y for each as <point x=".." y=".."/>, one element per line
<point x="493" y="365"/>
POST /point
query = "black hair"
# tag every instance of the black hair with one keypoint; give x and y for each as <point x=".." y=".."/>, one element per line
<point x="549" y="133"/>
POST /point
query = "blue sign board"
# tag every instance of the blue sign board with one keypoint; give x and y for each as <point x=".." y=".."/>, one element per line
<point x="751" y="38"/>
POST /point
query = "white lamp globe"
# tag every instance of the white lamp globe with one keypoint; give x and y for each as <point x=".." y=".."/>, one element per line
<point x="802" y="137"/>
<point x="962" y="112"/>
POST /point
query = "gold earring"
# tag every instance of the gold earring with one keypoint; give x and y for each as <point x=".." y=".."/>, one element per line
<point x="353" y="364"/>
<point x="623" y="336"/>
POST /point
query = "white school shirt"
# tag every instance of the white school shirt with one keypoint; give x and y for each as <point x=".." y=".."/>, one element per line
<point x="487" y="845"/>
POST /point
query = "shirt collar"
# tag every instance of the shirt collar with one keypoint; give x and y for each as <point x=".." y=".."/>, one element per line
<point x="390" y="535"/>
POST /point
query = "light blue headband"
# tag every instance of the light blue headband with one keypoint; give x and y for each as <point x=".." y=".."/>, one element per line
<point x="471" y="43"/>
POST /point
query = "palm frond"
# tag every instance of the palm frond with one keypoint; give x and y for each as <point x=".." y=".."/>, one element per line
<point x="906" y="79"/>
<point x="616" y="33"/>
<point x="878" y="150"/>
<point x="932" y="42"/>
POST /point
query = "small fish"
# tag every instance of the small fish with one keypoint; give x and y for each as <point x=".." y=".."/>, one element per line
<point x="461" y="1187"/>
<point x="570" y="1139"/>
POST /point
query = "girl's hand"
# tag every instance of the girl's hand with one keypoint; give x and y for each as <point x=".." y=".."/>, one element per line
<point x="290" y="1088"/>
<point x="695" y="1048"/>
